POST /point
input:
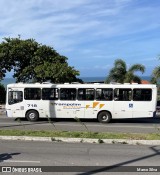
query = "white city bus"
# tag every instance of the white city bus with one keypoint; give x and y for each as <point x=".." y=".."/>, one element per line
<point x="88" y="101"/>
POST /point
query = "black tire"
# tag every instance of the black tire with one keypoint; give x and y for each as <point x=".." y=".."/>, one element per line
<point x="104" y="117"/>
<point x="32" y="115"/>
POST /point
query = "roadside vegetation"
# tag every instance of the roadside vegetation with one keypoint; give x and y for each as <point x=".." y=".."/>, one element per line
<point x="76" y="134"/>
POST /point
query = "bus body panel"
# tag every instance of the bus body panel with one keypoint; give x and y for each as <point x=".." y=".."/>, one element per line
<point x="123" y="109"/>
<point x="68" y="109"/>
<point x="79" y="108"/>
<point x="105" y="106"/>
<point x="142" y="109"/>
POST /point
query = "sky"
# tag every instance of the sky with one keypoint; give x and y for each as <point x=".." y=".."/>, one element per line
<point x="92" y="34"/>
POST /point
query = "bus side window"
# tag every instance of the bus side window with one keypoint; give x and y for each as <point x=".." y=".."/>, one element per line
<point x="50" y="94"/>
<point x="122" y="94"/>
<point x="32" y="93"/>
<point x="104" y="94"/>
<point x="67" y="94"/>
<point x="86" y="94"/>
<point x="142" y="94"/>
<point x="81" y="94"/>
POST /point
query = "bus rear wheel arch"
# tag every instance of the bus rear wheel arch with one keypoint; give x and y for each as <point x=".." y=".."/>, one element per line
<point x="32" y="115"/>
<point x="104" y="117"/>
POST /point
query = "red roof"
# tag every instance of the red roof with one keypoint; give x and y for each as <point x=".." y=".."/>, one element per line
<point x="145" y="82"/>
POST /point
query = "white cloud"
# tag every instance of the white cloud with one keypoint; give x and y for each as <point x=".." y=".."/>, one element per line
<point x="72" y="19"/>
<point x="40" y="18"/>
<point x="92" y="30"/>
<point x="96" y="67"/>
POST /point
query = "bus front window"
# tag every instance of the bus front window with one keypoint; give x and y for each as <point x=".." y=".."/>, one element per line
<point x="15" y="97"/>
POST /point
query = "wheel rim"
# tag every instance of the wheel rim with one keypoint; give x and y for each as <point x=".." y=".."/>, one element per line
<point x="32" y="115"/>
<point x="104" y="118"/>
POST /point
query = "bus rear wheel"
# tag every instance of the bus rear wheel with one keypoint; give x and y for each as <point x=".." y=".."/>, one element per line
<point x="104" y="117"/>
<point x="32" y="115"/>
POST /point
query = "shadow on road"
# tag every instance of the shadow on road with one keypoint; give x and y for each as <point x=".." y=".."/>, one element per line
<point x="23" y="122"/>
<point x="131" y="120"/>
<point x="138" y="120"/>
<point x="115" y="167"/>
<point x="6" y="156"/>
<point x="20" y="122"/>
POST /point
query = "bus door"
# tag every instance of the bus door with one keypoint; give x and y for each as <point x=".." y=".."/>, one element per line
<point x="68" y="109"/>
<point x="61" y="102"/>
<point x="143" y="104"/>
<point x="68" y="106"/>
<point x="15" y="102"/>
<point x="123" y="106"/>
<point x="49" y="101"/>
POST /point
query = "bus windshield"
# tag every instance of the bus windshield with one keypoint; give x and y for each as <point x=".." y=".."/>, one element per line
<point x="15" y="97"/>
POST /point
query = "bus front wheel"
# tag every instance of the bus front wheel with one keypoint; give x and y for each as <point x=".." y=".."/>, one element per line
<point x="32" y="115"/>
<point x="104" y="117"/>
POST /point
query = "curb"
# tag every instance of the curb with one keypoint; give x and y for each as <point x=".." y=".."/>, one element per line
<point x="82" y="140"/>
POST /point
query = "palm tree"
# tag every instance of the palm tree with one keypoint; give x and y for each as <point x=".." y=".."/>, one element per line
<point x="156" y="75"/>
<point x="120" y="74"/>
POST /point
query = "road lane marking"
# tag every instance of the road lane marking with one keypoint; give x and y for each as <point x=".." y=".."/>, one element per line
<point x="20" y="161"/>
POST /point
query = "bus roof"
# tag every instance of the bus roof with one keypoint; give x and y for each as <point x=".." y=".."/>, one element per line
<point x="67" y="85"/>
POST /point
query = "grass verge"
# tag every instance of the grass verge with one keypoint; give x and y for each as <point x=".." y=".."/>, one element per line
<point x="69" y="134"/>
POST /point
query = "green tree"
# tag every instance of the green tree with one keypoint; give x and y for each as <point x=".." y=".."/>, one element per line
<point x="156" y="74"/>
<point x="120" y="74"/>
<point x="2" y="94"/>
<point x="32" y="61"/>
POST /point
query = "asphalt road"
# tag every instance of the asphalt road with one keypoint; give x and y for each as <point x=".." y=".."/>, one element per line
<point x="25" y="153"/>
<point x="126" y="125"/>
